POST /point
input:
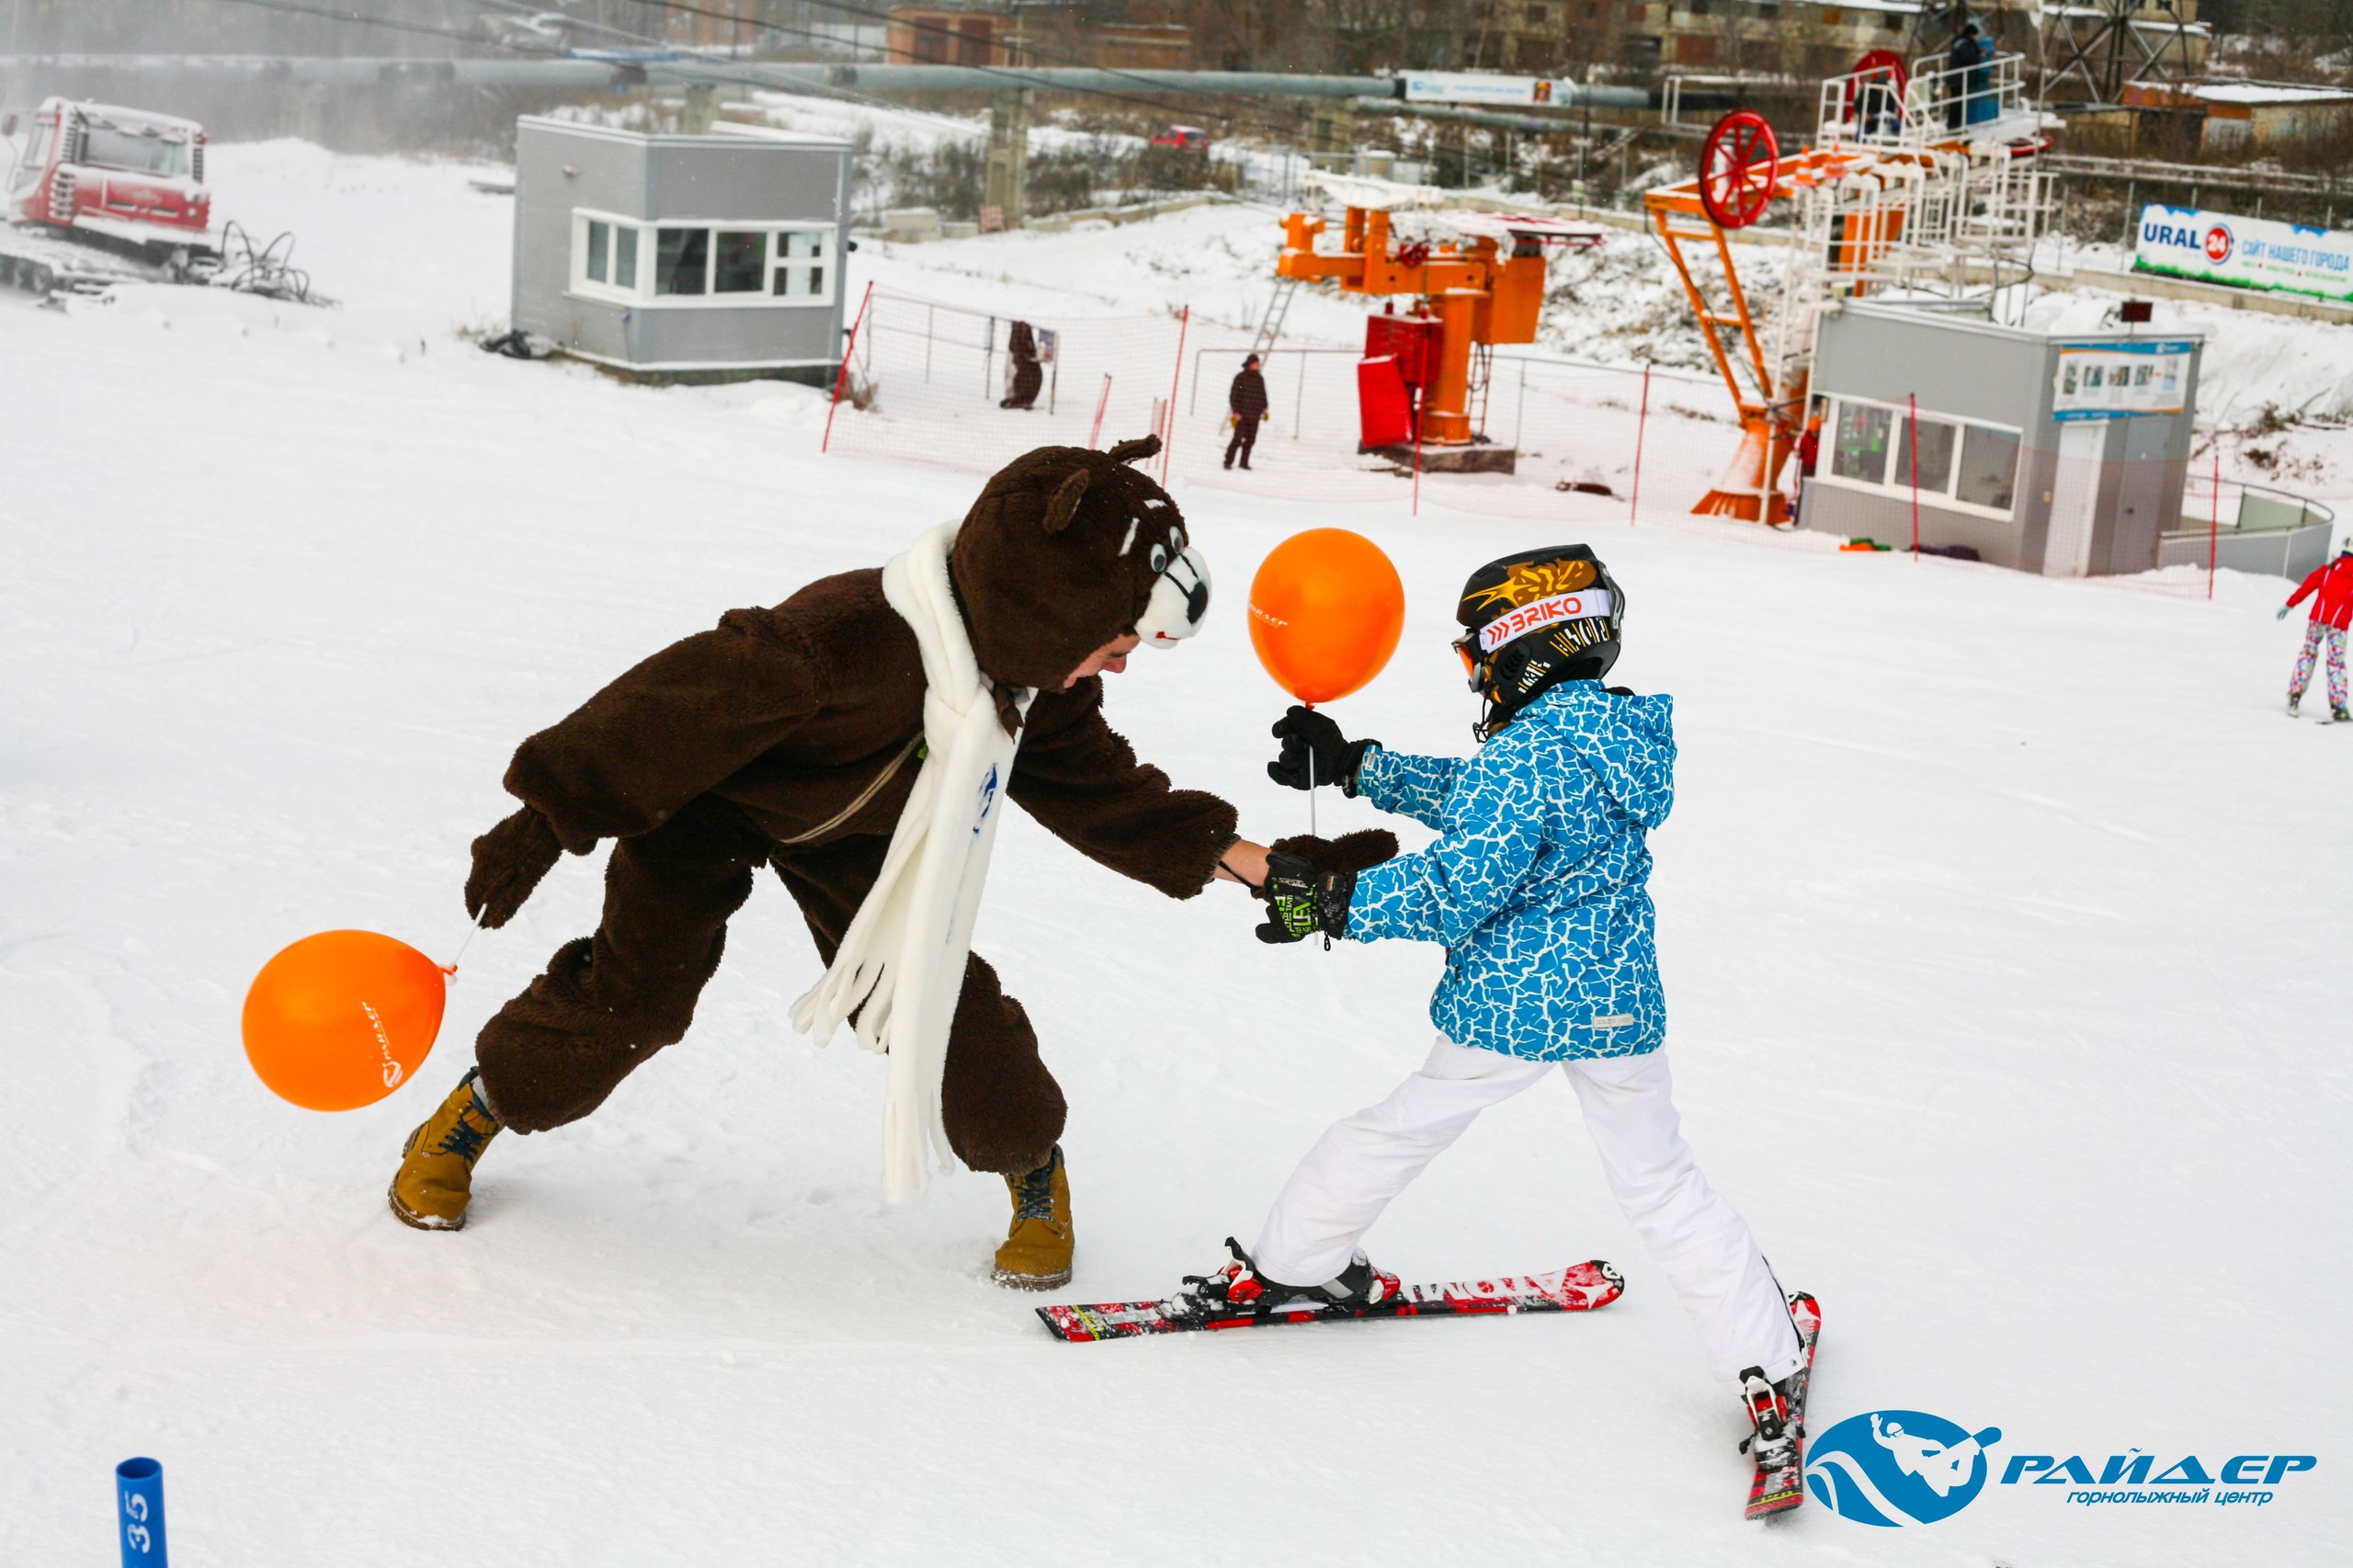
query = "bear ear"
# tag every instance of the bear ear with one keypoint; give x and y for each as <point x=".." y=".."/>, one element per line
<point x="1129" y="451"/>
<point x="1063" y="505"/>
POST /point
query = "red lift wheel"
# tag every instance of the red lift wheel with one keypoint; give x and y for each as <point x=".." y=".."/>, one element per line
<point x="1736" y="169"/>
<point x="1890" y="67"/>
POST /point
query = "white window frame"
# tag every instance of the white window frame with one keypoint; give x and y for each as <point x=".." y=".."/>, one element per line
<point x="1946" y="499"/>
<point x="643" y="297"/>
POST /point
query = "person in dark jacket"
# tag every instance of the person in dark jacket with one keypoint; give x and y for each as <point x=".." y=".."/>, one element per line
<point x="1967" y="55"/>
<point x="1246" y="402"/>
<point x="791" y="738"/>
<point x="1023" y="369"/>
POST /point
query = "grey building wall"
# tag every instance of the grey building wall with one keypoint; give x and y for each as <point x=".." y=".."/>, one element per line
<point x="1971" y="368"/>
<point x="1954" y="365"/>
<point x="557" y="169"/>
<point x="2293" y="553"/>
<point x="2150" y="469"/>
<point x="1853" y="513"/>
<point x="561" y="166"/>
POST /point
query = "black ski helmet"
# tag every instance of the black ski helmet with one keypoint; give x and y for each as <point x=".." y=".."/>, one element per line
<point x="1532" y="620"/>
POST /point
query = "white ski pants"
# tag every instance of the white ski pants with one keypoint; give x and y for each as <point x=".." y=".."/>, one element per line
<point x="1699" y="1241"/>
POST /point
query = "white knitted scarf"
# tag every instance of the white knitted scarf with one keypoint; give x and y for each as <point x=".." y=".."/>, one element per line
<point x="901" y="965"/>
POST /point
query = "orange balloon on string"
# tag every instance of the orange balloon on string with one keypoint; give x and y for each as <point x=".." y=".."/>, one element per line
<point x="341" y="1019"/>
<point x="1326" y="608"/>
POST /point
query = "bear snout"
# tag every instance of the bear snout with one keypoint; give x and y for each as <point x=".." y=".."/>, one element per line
<point x="1180" y="597"/>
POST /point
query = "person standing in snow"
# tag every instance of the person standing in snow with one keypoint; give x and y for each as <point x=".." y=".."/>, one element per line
<point x="1245" y="401"/>
<point x="1808" y="455"/>
<point x="1022" y="368"/>
<point x="1966" y="55"/>
<point x="803" y="739"/>
<point x="1537" y="885"/>
<point x="2330" y="589"/>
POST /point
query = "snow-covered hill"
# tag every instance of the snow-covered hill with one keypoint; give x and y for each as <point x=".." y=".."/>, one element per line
<point x="2004" y="925"/>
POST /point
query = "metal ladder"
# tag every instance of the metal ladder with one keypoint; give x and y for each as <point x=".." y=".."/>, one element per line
<point x="1270" y="325"/>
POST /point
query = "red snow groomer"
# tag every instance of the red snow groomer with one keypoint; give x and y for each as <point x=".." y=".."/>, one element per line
<point x="123" y="176"/>
<point x="99" y="196"/>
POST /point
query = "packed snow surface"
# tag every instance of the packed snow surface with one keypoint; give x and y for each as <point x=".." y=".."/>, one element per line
<point x="2004" y="924"/>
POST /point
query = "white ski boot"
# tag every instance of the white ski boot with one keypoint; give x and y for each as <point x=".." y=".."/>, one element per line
<point x="1235" y="1288"/>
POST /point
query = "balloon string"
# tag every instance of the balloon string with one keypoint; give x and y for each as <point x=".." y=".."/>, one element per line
<point x="451" y="966"/>
<point x="1311" y="795"/>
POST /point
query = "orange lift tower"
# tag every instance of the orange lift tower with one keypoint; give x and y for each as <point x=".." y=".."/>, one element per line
<point x="1470" y="296"/>
<point x="1921" y="178"/>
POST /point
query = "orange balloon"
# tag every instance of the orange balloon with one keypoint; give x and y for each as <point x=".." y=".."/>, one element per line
<point x="1326" y="611"/>
<point x="341" y="1019"/>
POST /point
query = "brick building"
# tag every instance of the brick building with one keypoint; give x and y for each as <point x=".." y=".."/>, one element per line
<point x="1072" y="33"/>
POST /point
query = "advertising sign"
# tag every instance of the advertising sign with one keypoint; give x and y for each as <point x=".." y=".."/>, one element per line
<point x="2114" y="379"/>
<point x="2253" y="252"/>
<point x="1482" y="88"/>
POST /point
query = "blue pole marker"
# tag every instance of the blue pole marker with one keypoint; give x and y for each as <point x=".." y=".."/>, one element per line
<point x="139" y="1500"/>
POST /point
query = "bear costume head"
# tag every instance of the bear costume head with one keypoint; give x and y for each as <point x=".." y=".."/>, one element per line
<point x="1066" y="549"/>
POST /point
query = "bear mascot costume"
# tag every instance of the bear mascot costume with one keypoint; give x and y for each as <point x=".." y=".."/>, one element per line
<point x="796" y="738"/>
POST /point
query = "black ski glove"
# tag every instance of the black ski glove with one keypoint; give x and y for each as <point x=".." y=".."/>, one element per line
<point x="1310" y="882"/>
<point x="1300" y="902"/>
<point x="1310" y="737"/>
<point x="509" y="860"/>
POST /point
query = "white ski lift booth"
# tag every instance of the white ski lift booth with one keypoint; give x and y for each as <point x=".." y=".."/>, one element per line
<point x="2062" y="454"/>
<point x="704" y="257"/>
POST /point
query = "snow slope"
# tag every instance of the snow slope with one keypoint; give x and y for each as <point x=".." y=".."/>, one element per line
<point x="2003" y="923"/>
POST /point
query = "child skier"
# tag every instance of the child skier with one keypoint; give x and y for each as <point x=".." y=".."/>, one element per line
<point x="2331" y="587"/>
<point x="1537" y="886"/>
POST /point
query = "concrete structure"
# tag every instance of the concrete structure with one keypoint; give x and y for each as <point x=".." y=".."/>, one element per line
<point x="2237" y="116"/>
<point x="689" y="258"/>
<point x="1006" y="32"/>
<point x="1803" y="36"/>
<point x="2064" y="455"/>
<point x="2269" y="530"/>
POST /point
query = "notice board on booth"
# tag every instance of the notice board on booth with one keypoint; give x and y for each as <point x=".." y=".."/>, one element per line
<point x="2118" y="379"/>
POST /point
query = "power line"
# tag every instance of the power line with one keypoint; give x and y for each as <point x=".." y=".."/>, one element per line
<point x="364" y="19"/>
<point x="344" y="14"/>
<point x="1011" y="74"/>
<point x="1275" y="128"/>
<point x="844" y="93"/>
<point x="716" y="71"/>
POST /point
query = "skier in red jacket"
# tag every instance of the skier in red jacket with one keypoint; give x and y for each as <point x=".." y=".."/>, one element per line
<point x="2332" y="591"/>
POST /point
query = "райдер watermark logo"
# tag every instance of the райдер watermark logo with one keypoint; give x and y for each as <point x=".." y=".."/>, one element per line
<point x="1898" y="1467"/>
<point x="1907" y="1467"/>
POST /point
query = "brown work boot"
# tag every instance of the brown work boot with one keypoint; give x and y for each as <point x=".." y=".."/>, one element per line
<point x="436" y="1180"/>
<point x="1037" y="1250"/>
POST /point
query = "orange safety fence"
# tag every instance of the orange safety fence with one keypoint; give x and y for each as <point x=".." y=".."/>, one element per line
<point x="1593" y="445"/>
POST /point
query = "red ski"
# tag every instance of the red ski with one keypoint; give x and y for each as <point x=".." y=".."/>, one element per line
<point x="1579" y="1287"/>
<point x="1779" y="1487"/>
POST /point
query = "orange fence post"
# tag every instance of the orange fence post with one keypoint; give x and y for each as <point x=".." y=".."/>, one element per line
<point x="1095" y="435"/>
<point x="1421" y="411"/>
<point x="2214" y="523"/>
<point x="1642" y="423"/>
<point x="842" y="374"/>
<point x="1176" y="380"/>
<point x="1912" y="401"/>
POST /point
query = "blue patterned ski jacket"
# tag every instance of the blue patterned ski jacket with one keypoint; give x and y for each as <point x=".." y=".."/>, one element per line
<point x="1536" y="882"/>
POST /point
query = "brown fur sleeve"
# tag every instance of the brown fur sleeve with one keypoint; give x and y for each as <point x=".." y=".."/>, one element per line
<point x="1081" y="779"/>
<point x="669" y="730"/>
